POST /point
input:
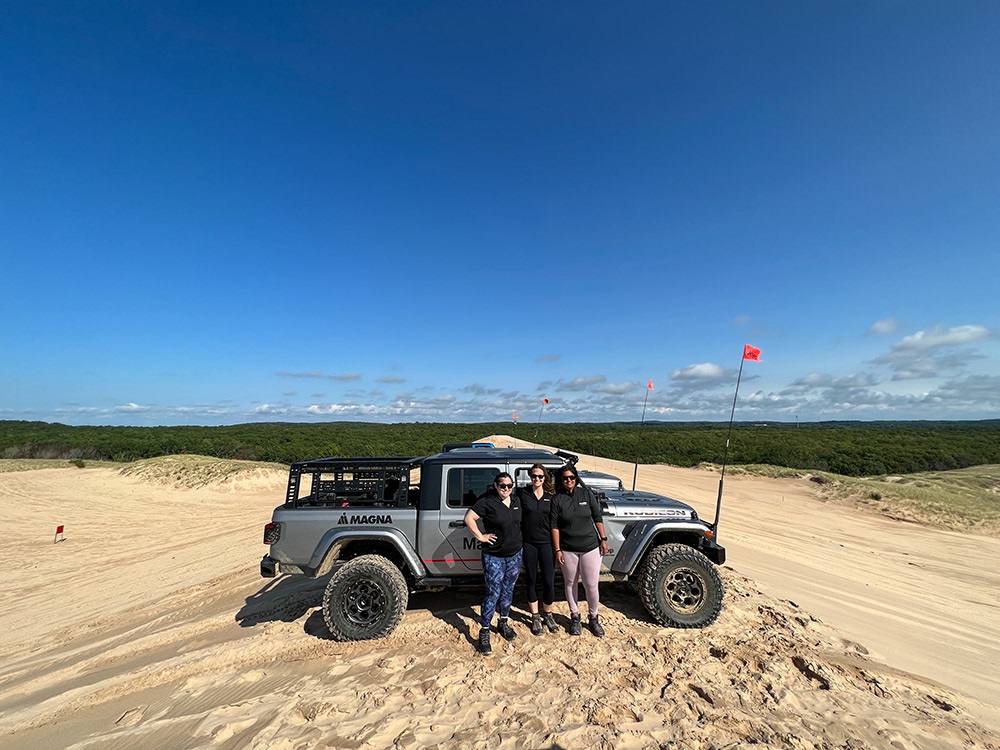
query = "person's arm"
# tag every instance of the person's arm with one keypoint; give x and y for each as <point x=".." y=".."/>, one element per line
<point x="604" y="538"/>
<point x="554" y="523"/>
<point x="470" y="521"/>
<point x="598" y="515"/>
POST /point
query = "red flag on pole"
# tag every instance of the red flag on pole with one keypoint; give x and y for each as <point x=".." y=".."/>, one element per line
<point x="751" y="352"/>
<point x="649" y="385"/>
<point x="545" y="401"/>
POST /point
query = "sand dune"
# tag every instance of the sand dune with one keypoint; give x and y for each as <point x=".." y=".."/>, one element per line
<point x="149" y="627"/>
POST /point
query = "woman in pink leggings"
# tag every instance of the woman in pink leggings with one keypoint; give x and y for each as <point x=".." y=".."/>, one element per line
<point x="579" y="542"/>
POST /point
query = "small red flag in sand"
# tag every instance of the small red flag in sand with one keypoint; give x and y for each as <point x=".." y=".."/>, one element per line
<point x="59" y="534"/>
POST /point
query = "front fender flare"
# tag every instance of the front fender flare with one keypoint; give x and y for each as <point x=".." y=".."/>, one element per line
<point x="641" y="537"/>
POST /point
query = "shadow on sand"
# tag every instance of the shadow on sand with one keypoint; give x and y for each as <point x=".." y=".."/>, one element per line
<point x="288" y="598"/>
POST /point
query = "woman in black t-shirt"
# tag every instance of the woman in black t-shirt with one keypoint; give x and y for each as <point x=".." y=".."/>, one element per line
<point x="536" y="507"/>
<point x="580" y="541"/>
<point x="500" y="512"/>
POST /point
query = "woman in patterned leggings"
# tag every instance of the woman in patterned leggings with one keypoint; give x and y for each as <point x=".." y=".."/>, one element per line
<point x="500" y="513"/>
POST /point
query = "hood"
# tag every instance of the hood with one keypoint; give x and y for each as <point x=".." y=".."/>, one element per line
<point x="644" y="505"/>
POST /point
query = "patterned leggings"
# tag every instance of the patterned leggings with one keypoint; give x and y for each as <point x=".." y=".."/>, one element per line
<point x="501" y="575"/>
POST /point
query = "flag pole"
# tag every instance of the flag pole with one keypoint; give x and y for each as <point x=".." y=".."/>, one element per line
<point x="635" y="471"/>
<point x="749" y="352"/>
<point x="544" y="402"/>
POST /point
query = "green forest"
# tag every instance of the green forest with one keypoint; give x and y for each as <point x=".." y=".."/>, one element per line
<point x="849" y="448"/>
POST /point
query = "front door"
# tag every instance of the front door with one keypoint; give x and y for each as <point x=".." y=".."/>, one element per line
<point x="462" y="486"/>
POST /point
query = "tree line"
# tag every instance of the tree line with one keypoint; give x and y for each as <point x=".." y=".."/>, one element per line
<point x="847" y="448"/>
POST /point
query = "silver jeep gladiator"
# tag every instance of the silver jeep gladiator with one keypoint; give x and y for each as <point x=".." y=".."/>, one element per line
<point x="385" y="527"/>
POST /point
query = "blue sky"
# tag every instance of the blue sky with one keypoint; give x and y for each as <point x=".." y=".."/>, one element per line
<point x="216" y="213"/>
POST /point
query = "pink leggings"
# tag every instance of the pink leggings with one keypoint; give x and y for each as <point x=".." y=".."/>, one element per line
<point x="585" y="565"/>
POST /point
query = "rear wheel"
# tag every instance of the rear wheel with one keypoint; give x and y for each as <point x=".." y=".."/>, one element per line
<point x="365" y="599"/>
<point x="680" y="587"/>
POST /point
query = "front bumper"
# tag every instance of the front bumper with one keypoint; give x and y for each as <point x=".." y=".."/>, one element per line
<point x="713" y="551"/>
<point x="268" y="567"/>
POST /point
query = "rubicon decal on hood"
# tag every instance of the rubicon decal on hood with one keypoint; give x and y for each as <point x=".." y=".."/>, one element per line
<point x="675" y="513"/>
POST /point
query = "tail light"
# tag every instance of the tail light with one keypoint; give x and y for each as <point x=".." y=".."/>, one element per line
<point x="272" y="532"/>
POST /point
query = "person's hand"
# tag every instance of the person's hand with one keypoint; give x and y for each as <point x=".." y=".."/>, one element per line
<point x="605" y="549"/>
<point x="488" y="538"/>
<point x="559" y="557"/>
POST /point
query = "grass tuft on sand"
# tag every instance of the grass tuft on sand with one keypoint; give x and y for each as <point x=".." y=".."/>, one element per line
<point x="188" y="471"/>
<point x="960" y="500"/>
<point x="31" y="464"/>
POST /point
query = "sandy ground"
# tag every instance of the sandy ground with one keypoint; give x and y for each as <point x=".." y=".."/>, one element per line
<point x="150" y="627"/>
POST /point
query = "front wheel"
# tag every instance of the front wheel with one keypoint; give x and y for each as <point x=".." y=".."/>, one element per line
<point x="680" y="587"/>
<point x="365" y="599"/>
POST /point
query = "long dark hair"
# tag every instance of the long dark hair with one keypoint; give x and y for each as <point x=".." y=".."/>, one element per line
<point x="548" y="484"/>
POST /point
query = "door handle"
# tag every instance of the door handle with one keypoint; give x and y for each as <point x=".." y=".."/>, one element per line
<point x="456" y="524"/>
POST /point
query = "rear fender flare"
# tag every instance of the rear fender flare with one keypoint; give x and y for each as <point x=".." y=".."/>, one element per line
<point x="328" y="549"/>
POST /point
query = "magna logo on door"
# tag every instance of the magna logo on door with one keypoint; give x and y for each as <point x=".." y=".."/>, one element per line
<point x="359" y="519"/>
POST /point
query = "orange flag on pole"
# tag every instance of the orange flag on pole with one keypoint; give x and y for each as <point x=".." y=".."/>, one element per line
<point x="649" y="385"/>
<point x="751" y="352"/>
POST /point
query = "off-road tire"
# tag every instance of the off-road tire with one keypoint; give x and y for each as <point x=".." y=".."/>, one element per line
<point x="680" y="587"/>
<point x="365" y="599"/>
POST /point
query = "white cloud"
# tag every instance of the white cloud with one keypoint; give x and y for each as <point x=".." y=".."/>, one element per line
<point x="580" y="384"/>
<point x="617" y="388"/>
<point x="131" y="408"/>
<point x="938" y="337"/>
<point x="923" y="354"/>
<point x="704" y="371"/>
<point x="884" y="327"/>
<point x="270" y="409"/>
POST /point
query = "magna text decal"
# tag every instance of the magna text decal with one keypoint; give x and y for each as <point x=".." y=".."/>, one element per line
<point x="362" y="519"/>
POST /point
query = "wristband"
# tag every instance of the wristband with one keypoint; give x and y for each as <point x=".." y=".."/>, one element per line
<point x="604" y="539"/>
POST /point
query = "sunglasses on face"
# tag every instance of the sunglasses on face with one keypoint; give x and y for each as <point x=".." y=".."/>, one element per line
<point x="538" y="476"/>
<point x="504" y="486"/>
<point x="569" y="478"/>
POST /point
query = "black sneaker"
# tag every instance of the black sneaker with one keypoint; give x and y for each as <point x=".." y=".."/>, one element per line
<point x="595" y="626"/>
<point x="484" y="641"/>
<point x="536" y="624"/>
<point x="550" y="622"/>
<point x="505" y="630"/>
<point x="575" y="626"/>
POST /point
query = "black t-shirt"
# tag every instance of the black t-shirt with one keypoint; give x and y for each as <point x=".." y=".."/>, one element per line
<point x="535" y="524"/>
<point x="500" y="520"/>
<point x="575" y="515"/>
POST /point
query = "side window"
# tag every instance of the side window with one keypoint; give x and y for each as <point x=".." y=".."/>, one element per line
<point x="521" y="478"/>
<point x="465" y="485"/>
